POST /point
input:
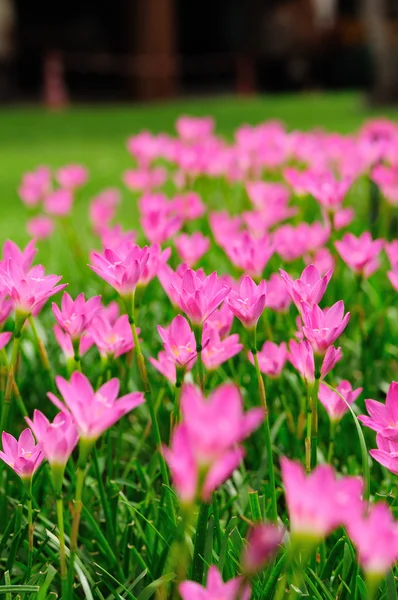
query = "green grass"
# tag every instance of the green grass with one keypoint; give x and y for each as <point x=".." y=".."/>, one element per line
<point x="96" y="135"/>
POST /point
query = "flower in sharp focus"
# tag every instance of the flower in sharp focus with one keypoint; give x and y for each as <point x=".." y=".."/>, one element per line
<point x="271" y="358"/>
<point x="383" y="418"/>
<point x="75" y="316"/>
<point x="248" y="303"/>
<point x="322" y="327"/>
<point x="335" y="406"/>
<point x="24" y="456"/>
<point x="309" y="288"/>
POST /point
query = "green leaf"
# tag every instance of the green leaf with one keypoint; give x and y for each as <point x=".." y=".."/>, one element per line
<point x="391" y="587"/>
<point x="155" y="585"/>
<point x="51" y="573"/>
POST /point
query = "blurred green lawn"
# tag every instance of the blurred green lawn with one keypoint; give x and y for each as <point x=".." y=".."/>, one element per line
<point x="96" y="135"/>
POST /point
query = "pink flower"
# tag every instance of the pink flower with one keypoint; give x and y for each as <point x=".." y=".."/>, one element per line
<point x="191" y="248"/>
<point x="179" y="341"/>
<point x="322" y="259"/>
<point x="35" y="186"/>
<point x="263" y="543"/>
<point x="93" y="412"/>
<point x="301" y="356"/>
<point x="57" y="439"/>
<point x="327" y="190"/>
<point x="40" y="228"/>
<point x="5" y="338"/>
<point x="333" y="403"/>
<point x="144" y="180"/>
<point x="207" y="441"/>
<point x="309" y="288"/>
<point x="199" y="296"/>
<point x="75" y="316"/>
<point x="215" y="588"/>
<point x="165" y="365"/>
<point x="376" y="539"/>
<point x="102" y="208"/>
<point x="189" y="206"/>
<point x="156" y="259"/>
<point x="249" y="254"/>
<point x="194" y="129"/>
<point x="318" y="503"/>
<point x="343" y="217"/>
<point x="121" y="268"/>
<point x="115" y="237"/>
<point x="65" y="343"/>
<point x="23" y="258"/>
<point x="23" y="456"/>
<point x="59" y="203"/>
<point x="112" y="339"/>
<point x="383" y="417"/>
<point x="360" y="254"/>
<point x="278" y="298"/>
<point x="249" y="303"/>
<point x="221" y="320"/>
<point x="28" y="291"/>
<point x="392" y="253"/>
<point x="271" y="358"/>
<point x="217" y="351"/>
<point x="72" y="176"/>
<point x="6" y="306"/>
<point x="386" y="453"/>
<point x="323" y="327"/>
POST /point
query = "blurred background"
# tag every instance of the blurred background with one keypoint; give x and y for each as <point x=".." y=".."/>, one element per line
<point x="123" y="50"/>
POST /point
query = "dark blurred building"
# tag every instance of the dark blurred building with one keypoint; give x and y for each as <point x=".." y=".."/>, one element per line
<point x="147" y="49"/>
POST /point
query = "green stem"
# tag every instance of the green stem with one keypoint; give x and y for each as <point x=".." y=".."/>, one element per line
<point x="267" y="432"/>
<point x="332" y="434"/>
<point x="62" y="554"/>
<point x="104" y="501"/>
<point x="42" y="351"/>
<point x="10" y="381"/>
<point x="198" y="337"/>
<point x="200" y="542"/>
<point x="30" y="529"/>
<point x="76" y="511"/>
<point x="314" y="421"/>
<point x="176" y="415"/>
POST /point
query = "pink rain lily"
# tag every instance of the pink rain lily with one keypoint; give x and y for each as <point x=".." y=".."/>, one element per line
<point x="103" y="208"/>
<point x="115" y="237"/>
<point x="93" y="412"/>
<point x="309" y="288"/>
<point x="179" y="341"/>
<point x="59" y="203"/>
<point x="361" y="253"/>
<point x="333" y="403"/>
<point x="144" y="180"/>
<point x="248" y="303"/>
<point x="6" y="306"/>
<point x="75" y="316"/>
<point x="221" y="320"/>
<point x="23" y="258"/>
<point x="383" y="417"/>
<point x="319" y="502"/>
<point x="323" y="327"/>
<point x="165" y="365"/>
<point x="28" y="291"/>
<point x="199" y="296"/>
<point x="121" y="268"/>
<point x="327" y="190"/>
<point x="249" y="254"/>
<point x="301" y="356"/>
<point x="194" y="129"/>
<point x="263" y="543"/>
<point x="391" y="250"/>
<point x="343" y="217"/>
<point x="112" y="339"/>
<point x="71" y="176"/>
<point x="217" y="351"/>
<point x="57" y="439"/>
<point x="24" y="456"/>
<point x="375" y="536"/>
<point x="191" y="248"/>
<point x="271" y="358"/>
<point x="65" y="343"/>
<point x="35" y="186"/>
<point x="322" y="259"/>
<point x="386" y="453"/>
<point x="215" y="588"/>
<point x="278" y="298"/>
<point x="156" y="258"/>
<point x="5" y="337"/>
<point x="189" y="205"/>
<point x="40" y="228"/>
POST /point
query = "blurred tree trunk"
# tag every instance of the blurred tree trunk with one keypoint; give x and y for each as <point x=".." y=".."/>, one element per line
<point x="385" y="82"/>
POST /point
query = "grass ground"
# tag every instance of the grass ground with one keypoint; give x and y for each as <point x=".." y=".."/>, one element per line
<point x="95" y="135"/>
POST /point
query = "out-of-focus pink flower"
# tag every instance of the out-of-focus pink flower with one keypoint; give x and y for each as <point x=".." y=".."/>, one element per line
<point x="191" y="248"/>
<point x="343" y="217"/>
<point x="215" y="588"/>
<point x="24" y="456"/>
<point x="327" y="190"/>
<point x="383" y="417"/>
<point x="318" y="503"/>
<point x="323" y="327"/>
<point x="146" y="147"/>
<point x="224" y="227"/>
<point x="179" y="341"/>
<point x="115" y="237"/>
<point x="112" y="339"/>
<point x="301" y="356"/>
<point x="23" y="258"/>
<point x="217" y="351"/>
<point x="65" y="343"/>
<point x="360" y="253"/>
<point x="75" y="316"/>
<point x="263" y="543"/>
<point x="165" y="365"/>
<point x="144" y="180"/>
<point x="194" y="129"/>
<point x="159" y="226"/>
<point x="309" y="288"/>
<point x="30" y="290"/>
<point x="293" y="242"/>
<point x="271" y="358"/>
<point x="72" y="176"/>
<point x="322" y="259"/>
<point x="386" y="178"/>
<point x="375" y="536"/>
<point x="386" y="453"/>
<point x="35" y="186"/>
<point x="6" y="306"/>
<point x="59" y="203"/>
<point x="248" y="303"/>
<point x="391" y="249"/>
<point x="57" y="439"/>
<point x="189" y="206"/>
<point x="40" y="228"/>
<point x="333" y="403"/>
<point x="221" y="320"/>
<point x="249" y="254"/>
<point x="93" y="412"/>
<point x="121" y="268"/>
<point x="207" y="440"/>
<point x="102" y="208"/>
<point x="278" y="298"/>
<point x="5" y="337"/>
<point x="199" y="296"/>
